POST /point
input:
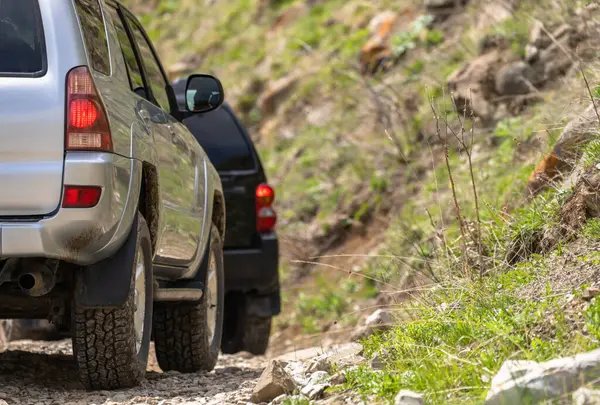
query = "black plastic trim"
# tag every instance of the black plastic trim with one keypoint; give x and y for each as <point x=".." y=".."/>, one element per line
<point x="106" y="284"/>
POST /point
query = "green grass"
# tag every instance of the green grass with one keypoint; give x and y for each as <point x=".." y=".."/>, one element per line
<point x="329" y="303"/>
<point x="296" y="401"/>
<point x="451" y="355"/>
<point x="591" y="229"/>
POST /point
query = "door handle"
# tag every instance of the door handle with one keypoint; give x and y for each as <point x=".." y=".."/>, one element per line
<point x="144" y="116"/>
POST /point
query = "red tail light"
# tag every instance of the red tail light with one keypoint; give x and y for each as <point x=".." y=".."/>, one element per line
<point x="81" y="197"/>
<point x="266" y="217"/>
<point x="87" y="126"/>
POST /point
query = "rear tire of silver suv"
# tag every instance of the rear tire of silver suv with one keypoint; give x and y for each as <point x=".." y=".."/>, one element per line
<point x="187" y="336"/>
<point x="111" y="345"/>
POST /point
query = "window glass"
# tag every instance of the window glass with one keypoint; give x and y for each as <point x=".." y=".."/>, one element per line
<point x="133" y="69"/>
<point x="94" y="34"/>
<point x="21" y="37"/>
<point x="154" y="74"/>
<point x="222" y="140"/>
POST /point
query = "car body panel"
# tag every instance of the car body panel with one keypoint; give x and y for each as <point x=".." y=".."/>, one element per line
<point x="35" y="168"/>
<point x="32" y="111"/>
<point x="82" y="236"/>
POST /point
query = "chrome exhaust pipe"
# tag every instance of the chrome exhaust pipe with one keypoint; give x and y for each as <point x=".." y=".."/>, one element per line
<point x="37" y="280"/>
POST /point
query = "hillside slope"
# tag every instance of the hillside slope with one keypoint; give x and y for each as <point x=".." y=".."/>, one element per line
<point x="401" y="137"/>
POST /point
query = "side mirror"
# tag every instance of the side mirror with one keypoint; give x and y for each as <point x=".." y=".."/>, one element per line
<point x="203" y="93"/>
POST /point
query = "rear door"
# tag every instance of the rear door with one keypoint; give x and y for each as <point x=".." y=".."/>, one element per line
<point x="32" y="110"/>
<point x="180" y="168"/>
<point x="231" y="152"/>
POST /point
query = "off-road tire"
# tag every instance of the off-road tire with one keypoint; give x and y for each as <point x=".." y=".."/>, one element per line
<point x="256" y="334"/>
<point x="248" y="332"/>
<point x="181" y="335"/>
<point x="104" y="340"/>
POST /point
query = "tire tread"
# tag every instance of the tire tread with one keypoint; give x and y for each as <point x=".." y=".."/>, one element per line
<point x="180" y="332"/>
<point x="104" y="341"/>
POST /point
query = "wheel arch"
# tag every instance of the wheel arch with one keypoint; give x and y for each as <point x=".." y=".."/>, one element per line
<point x="149" y="201"/>
<point x="218" y="212"/>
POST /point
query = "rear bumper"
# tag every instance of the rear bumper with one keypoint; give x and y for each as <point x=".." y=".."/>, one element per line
<point x="254" y="270"/>
<point x="82" y="236"/>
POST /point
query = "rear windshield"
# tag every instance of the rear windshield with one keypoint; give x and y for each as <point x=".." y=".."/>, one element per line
<point x="21" y="38"/>
<point x="219" y="135"/>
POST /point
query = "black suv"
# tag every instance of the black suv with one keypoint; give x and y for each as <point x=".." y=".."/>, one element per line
<point x="251" y="249"/>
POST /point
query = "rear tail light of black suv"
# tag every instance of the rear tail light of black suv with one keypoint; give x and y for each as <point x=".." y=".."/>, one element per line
<point x="266" y="217"/>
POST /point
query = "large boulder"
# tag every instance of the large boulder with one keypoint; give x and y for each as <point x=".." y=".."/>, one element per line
<point x="378" y="48"/>
<point x="552" y="55"/>
<point x="473" y="84"/>
<point x="566" y="152"/>
<point x="515" y="79"/>
<point x="540" y="382"/>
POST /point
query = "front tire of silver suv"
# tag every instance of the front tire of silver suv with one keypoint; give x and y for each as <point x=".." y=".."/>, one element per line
<point x="111" y="345"/>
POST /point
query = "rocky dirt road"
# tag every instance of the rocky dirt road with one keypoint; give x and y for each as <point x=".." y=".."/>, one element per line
<point x="44" y="373"/>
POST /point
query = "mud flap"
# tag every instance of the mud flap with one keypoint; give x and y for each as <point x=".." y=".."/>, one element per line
<point x="106" y="284"/>
<point x="263" y="306"/>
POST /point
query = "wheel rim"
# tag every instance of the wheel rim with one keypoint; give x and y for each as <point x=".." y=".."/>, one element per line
<point x="139" y="299"/>
<point x="211" y="296"/>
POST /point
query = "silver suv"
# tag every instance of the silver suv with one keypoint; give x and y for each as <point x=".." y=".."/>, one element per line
<point x="111" y="215"/>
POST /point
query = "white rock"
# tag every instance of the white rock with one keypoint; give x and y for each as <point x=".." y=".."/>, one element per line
<point x="586" y="396"/>
<point x="542" y="381"/>
<point x="512" y="369"/>
<point x="317" y="383"/>
<point x="296" y="370"/>
<point x="288" y="399"/>
<point x="380" y="317"/>
<point x="320" y="363"/>
<point x="406" y="397"/>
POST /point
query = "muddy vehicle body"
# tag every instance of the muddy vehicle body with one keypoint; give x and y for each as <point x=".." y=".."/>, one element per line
<point x="112" y="216"/>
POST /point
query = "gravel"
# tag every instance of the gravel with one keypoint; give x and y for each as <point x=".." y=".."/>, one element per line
<point x="44" y="373"/>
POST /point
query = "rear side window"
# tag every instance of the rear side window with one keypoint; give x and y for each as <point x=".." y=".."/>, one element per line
<point x="21" y="38"/>
<point x="222" y="139"/>
<point x="94" y="34"/>
<point x="133" y="70"/>
<point x="156" y="80"/>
